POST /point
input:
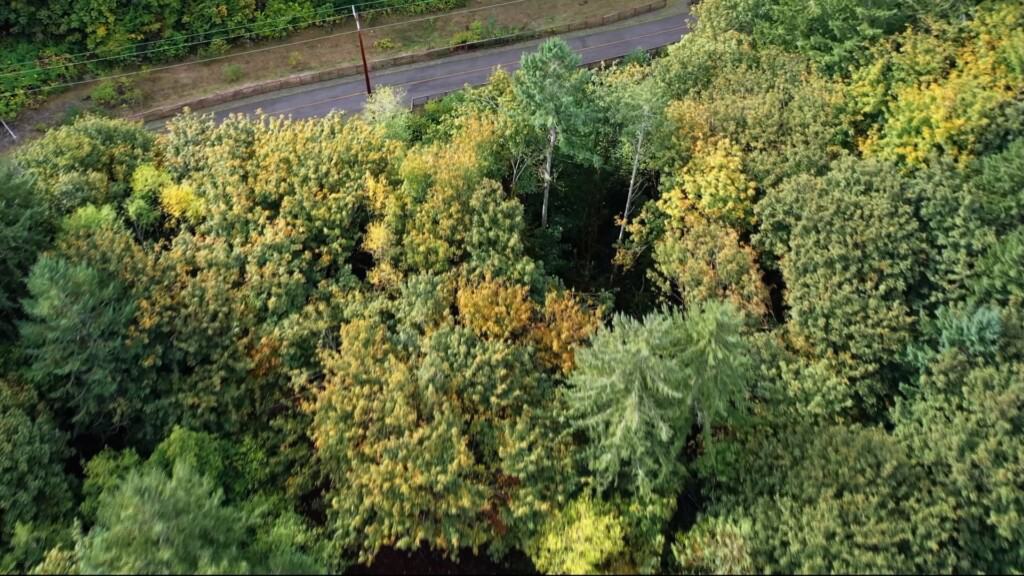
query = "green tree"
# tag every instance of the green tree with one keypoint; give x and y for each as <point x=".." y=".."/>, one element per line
<point x="630" y="97"/>
<point x="1000" y="273"/>
<point x="971" y="218"/>
<point x="190" y="526"/>
<point x="637" y="394"/>
<point x="205" y="453"/>
<point x="104" y="471"/>
<point x="874" y="522"/>
<point x="553" y="90"/>
<point x="519" y="146"/>
<point x="155" y="524"/>
<point x="962" y="420"/>
<point x="79" y="314"/>
<point x="833" y="32"/>
<point x="746" y="114"/>
<point x="35" y="493"/>
<point x="828" y="498"/>
<point x="629" y="392"/>
<point x="640" y="388"/>
<point x="75" y="337"/>
<point x="433" y="434"/>
<point x="851" y="254"/>
<point x="715" y="546"/>
<point x="25" y="230"/>
<point x="88" y="162"/>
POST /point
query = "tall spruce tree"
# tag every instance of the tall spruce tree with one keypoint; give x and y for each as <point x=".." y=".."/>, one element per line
<point x="641" y="386"/>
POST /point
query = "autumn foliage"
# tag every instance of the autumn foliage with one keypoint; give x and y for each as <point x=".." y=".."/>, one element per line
<point x="750" y="305"/>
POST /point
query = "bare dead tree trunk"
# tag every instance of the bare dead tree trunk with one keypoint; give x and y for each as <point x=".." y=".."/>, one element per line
<point x="633" y="184"/>
<point x="519" y="163"/>
<point x="552" y="140"/>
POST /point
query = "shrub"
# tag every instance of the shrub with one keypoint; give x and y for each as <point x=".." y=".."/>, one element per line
<point x="282" y="17"/>
<point x="478" y="31"/>
<point x="216" y="48"/>
<point x="104" y="94"/>
<point x="233" y="73"/>
<point x="638" y="56"/>
<point x="385" y="44"/>
<point x="119" y="92"/>
<point x="16" y="89"/>
<point x="69" y="116"/>
<point x="472" y="33"/>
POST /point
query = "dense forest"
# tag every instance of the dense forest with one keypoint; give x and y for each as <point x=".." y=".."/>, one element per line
<point x="750" y="305"/>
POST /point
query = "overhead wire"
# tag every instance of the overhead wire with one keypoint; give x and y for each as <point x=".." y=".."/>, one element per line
<point x="256" y="51"/>
<point x="177" y="46"/>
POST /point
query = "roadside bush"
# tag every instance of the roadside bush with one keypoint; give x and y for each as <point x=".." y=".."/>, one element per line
<point x="119" y="92"/>
<point x="472" y="33"/>
<point x="233" y="73"/>
<point x="19" y="80"/>
<point x="216" y="48"/>
<point x="279" y="17"/>
<point x="478" y="31"/>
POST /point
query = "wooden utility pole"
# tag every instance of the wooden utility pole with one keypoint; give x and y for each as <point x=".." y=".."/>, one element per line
<point x="362" y="50"/>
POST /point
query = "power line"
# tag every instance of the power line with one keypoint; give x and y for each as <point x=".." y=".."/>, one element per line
<point x="257" y="50"/>
<point x="186" y="37"/>
<point x="218" y="30"/>
<point x="187" y="45"/>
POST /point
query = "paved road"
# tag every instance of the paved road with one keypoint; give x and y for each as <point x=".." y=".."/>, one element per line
<point x="433" y="79"/>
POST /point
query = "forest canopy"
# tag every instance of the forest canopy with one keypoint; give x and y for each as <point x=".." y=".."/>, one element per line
<point x="753" y="304"/>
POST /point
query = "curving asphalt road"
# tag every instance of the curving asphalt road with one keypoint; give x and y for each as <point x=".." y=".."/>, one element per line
<point x="434" y="79"/>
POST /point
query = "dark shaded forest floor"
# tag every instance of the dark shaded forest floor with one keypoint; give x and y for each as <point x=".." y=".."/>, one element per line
<point x="424" y="561"/>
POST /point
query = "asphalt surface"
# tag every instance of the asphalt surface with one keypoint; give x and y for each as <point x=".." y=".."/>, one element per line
<point x="428" y="80"/>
